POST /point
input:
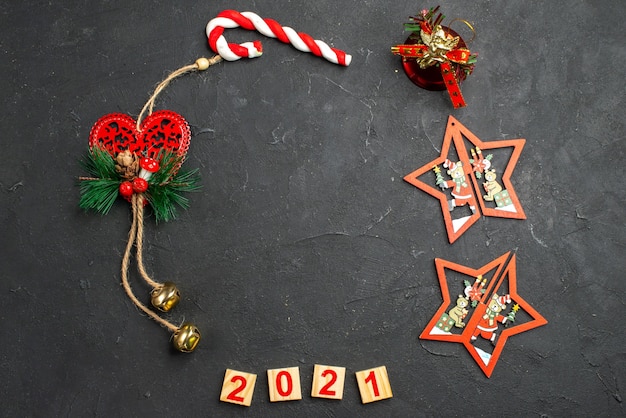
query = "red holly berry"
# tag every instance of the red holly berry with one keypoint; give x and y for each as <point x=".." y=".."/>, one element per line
<point x="126" y="189"/>
<point x="139" y="185"/>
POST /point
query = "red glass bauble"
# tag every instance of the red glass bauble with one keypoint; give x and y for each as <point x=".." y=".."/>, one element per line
<point x="430" y="78"/>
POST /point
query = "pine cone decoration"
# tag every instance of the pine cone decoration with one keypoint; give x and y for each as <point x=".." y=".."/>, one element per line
<point x="127" y="164"/>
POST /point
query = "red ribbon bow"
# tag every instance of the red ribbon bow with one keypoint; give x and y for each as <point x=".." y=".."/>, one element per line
<point x="438" y="47"/>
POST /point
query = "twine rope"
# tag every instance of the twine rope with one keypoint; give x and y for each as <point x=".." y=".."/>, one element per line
<point x="136" y="230"/>
<point x="139" y="251"/>
<point x="201" y="64"/>
<point x="135" y="235"/>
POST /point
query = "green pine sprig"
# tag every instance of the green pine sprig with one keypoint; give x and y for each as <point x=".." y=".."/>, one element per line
<point x="165" y="191"/>
<point x="425" y="16"/>
<point x="99" y="163"/>
<point x="99" y="191"/>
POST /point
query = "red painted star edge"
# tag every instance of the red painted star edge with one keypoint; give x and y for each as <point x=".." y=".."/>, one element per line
<point x="454" y="134"/>
<point x="503" y="271"/>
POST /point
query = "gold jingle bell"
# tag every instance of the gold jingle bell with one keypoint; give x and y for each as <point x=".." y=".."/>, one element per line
<point x="186" y="338"/>
<point x="165" y="297"/>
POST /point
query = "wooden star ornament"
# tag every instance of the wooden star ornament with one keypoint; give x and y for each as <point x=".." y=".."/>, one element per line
<point x="481" y="309"/>
<point x="471" y="183"/>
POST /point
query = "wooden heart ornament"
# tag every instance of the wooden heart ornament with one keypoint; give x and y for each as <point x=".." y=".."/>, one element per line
<point x="126" y="160"/>
<point x="162" y="130"/>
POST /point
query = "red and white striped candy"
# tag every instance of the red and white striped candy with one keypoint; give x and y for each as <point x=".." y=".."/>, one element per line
<point x="270" y="28"/>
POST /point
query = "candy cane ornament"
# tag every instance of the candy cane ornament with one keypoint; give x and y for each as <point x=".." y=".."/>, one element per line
<point x="248" y="20"/>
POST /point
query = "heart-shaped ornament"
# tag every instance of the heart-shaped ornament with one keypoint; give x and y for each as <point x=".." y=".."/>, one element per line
<point x="162" y="130"/>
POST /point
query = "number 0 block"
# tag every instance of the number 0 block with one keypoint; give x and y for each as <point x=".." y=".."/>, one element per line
<point x="238" y="387"/>
<point x="284" y="384"/>
<point x="328" y="382"/>
<point x="374" y="384"/>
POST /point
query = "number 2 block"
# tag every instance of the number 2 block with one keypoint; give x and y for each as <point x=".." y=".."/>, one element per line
<point x="238" y="387"/>
<point x="374" y="384"/>
<point x="284" y="384"/>
<point x="328" y="382"/>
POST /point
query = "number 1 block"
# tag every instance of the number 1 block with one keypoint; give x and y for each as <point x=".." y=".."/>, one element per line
<point x="374" y="384"/>
<point x="284" y="384"/>
<point x="328" y="382"/>
<point x="238" y="387"/>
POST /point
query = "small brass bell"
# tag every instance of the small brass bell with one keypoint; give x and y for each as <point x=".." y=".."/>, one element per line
<point x="165" y="297"/>
<point x="186" y="338"/>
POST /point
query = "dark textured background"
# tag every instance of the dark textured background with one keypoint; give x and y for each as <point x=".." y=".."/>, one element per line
<point x="305" y="246"/>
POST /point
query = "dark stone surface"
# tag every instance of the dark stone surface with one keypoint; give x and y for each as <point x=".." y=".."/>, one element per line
<point x="305" y="246"/>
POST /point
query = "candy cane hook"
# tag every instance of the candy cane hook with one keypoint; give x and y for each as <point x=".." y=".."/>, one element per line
<point x="270" y="28"/>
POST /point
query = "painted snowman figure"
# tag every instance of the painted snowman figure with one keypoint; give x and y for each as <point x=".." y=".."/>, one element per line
<point x="462" y="192"/>
<point x="488" y="324"/>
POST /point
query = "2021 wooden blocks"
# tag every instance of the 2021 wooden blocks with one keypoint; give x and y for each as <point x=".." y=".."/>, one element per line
<point x="284" y="384"/>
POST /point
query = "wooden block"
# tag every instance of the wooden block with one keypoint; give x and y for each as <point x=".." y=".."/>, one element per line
<point x="284" y="384"/>
<point x="374" y="384"/>
<point x="328" y="382"/>
<point x="238" y="387"/>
